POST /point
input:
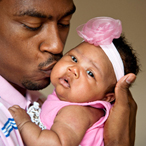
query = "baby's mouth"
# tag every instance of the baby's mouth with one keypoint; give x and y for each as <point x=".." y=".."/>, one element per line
<point x="64" y="82"/>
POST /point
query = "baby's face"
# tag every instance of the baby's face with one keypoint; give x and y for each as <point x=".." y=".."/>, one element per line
<point x="83" y="74"/>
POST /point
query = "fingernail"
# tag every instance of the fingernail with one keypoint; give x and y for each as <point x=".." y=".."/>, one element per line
<point x="130" y="79"/>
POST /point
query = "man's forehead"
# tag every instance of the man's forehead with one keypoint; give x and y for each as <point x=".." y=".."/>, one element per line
<point x="41" y="8"/>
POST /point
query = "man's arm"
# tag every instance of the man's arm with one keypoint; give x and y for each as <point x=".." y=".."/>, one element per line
<point x="120" y="126"/>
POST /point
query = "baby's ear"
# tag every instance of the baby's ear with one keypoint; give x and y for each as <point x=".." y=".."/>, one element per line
<point x="109" y="97"/>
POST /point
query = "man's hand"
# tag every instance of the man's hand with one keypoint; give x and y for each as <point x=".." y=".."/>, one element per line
<point x="119" y="128"/>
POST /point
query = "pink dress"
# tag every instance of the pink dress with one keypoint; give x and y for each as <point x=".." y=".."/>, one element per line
<point x="93" y="136"/>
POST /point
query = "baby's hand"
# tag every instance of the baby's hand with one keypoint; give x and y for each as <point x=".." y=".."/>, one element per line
<point x="20" y="116"/>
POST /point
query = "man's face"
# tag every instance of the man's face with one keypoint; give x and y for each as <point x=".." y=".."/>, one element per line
<point x="32" y="37"/>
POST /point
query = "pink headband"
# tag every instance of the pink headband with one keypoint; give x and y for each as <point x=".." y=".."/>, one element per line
<point x="101" y="31"/>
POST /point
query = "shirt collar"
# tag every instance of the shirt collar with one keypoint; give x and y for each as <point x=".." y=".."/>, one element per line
<point x="11" y="95"/>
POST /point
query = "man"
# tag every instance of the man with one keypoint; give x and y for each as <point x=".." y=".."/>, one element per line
<point x="32" y="36"/>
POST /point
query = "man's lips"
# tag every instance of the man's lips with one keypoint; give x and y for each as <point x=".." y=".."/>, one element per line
<point x="48" y="69"/>
<point x="65" y="82"/>
<point x="48" y="72"/>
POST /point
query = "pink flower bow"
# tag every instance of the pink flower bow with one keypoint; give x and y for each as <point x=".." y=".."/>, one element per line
<point x="100" y="30"/>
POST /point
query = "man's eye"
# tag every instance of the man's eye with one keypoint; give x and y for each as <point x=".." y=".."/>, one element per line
<point x="90" y="73"/>
<point x="31" y="28"/>
<point x="63" y="25"/>
<point x="74" y="59"/>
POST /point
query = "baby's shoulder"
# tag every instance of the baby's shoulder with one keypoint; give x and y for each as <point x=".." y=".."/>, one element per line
<point x="82" y="112"/>
<point x="95" y="114"/>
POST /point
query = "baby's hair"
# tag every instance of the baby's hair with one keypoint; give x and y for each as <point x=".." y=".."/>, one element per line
<point x="128" y="55"/>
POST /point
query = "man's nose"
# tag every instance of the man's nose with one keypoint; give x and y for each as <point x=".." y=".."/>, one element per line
<point x="52" y="41"/>
<point x="74" y="70"/>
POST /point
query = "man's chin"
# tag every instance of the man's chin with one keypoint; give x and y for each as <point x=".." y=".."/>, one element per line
<point x="29" y="85"/>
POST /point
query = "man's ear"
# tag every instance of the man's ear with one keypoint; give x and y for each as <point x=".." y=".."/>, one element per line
<point x="109" y="97"/>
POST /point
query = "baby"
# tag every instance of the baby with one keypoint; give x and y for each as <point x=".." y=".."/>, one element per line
<point x="84" y="80"/>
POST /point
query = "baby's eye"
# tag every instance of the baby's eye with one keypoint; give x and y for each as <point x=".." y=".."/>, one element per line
<point x="90" y="73"/>
<point x="74" y="58"/>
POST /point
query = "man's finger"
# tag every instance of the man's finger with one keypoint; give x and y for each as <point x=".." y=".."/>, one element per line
<point x="126" y="81"/>
<point x="122" y="92"/>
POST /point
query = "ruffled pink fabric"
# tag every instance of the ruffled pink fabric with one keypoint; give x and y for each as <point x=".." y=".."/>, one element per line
<point x="100" y="30"/>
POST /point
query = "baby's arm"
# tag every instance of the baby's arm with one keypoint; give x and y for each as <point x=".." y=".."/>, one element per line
<point x="69" y="126"/>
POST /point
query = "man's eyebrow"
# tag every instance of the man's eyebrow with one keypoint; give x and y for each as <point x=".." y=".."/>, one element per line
<point x="71" y="11"/>
<point x="34" y="13"/>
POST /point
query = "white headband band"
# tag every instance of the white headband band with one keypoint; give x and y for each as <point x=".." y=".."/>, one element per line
<point x="115" y="58"/>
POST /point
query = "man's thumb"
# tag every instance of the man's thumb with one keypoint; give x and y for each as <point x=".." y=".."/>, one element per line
<point x="126" y="81"/>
